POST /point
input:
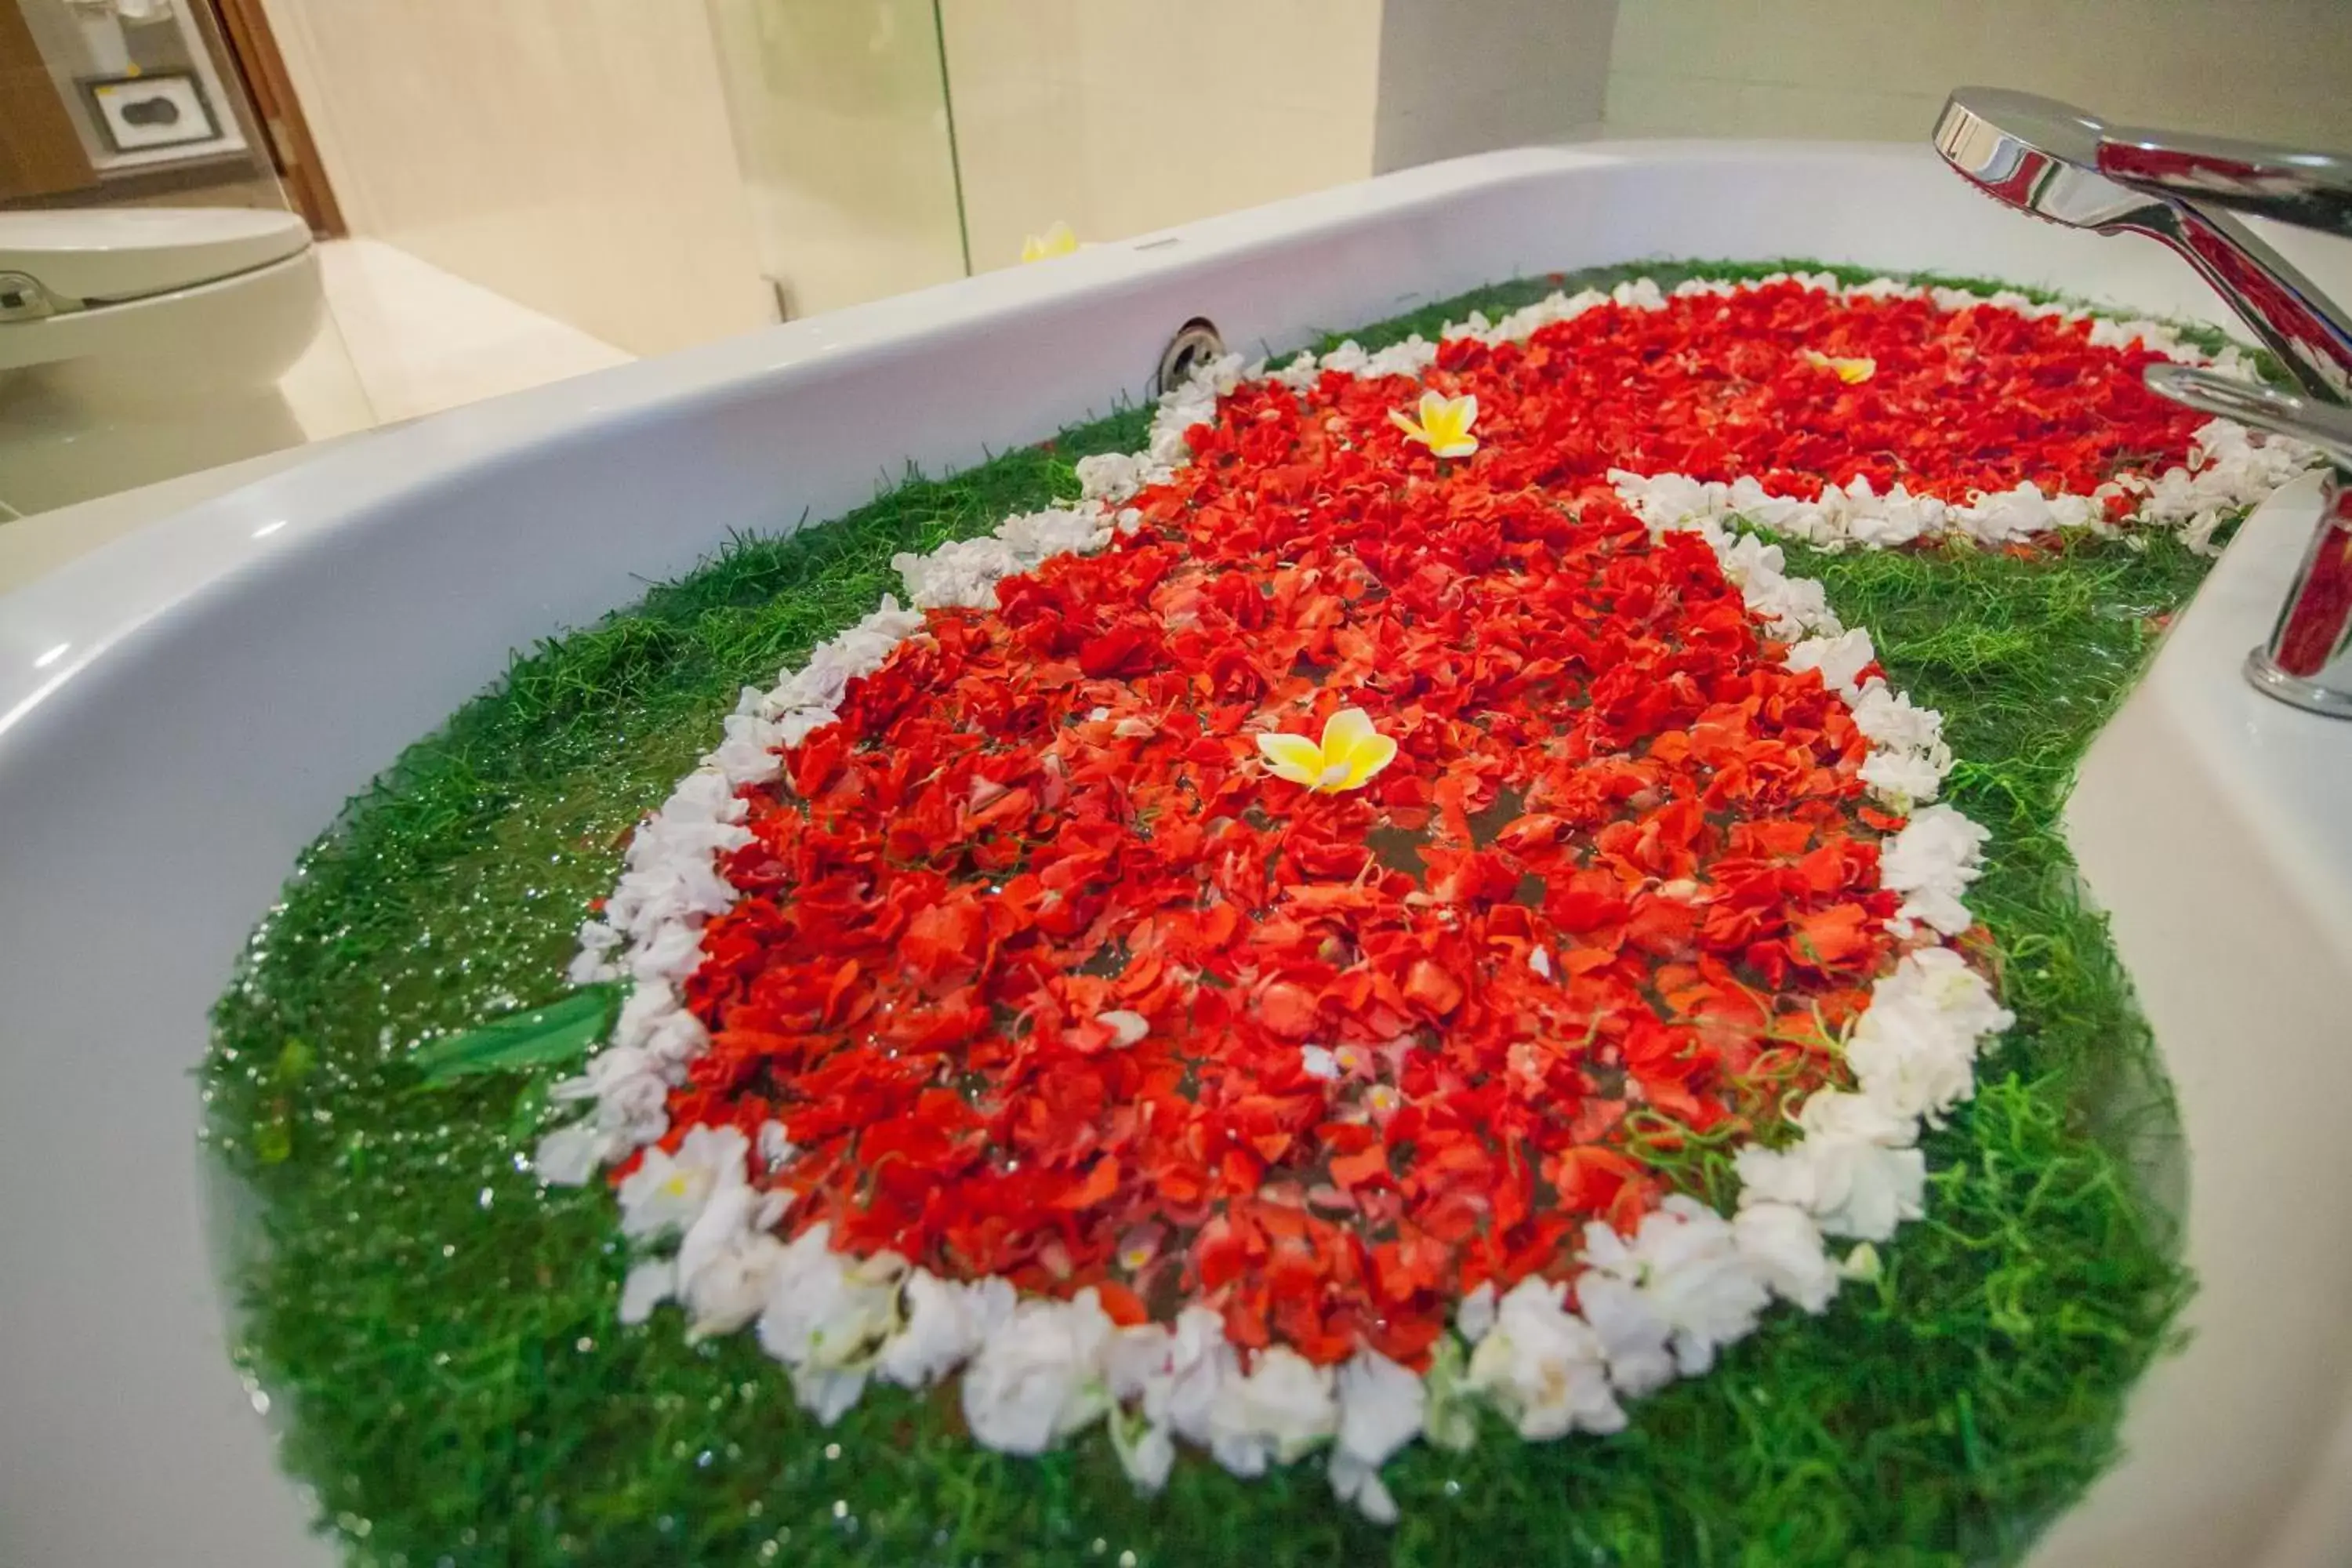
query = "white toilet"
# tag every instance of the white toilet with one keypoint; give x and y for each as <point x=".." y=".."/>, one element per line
<point x="140" y="342"/>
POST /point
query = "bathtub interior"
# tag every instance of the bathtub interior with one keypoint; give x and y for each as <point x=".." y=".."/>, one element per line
<point x="181" y="711"/>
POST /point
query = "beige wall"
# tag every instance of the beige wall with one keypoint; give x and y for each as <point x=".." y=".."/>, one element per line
<point x="1880" y="69"/>
<point x="1122" y="116"/>
<point x="578" y="156"/>
<point x="574" y="155"/>
<point x="1458" y="78"/>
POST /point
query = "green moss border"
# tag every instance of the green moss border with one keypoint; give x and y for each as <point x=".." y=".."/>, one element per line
<point x="439" y="1337"/>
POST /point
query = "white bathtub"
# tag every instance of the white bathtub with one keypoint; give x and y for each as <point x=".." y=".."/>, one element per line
<point x="182" y="711"/>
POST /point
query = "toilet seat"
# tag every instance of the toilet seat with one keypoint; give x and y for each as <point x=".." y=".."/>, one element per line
<point x="139" y="342"/>
<point x="77" y="259"/>
<point x="242" y="330"/>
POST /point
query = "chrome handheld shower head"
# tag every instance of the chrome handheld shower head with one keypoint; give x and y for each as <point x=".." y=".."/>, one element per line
<point x="2064" y="164"/>
<point x="2036" y="155"/>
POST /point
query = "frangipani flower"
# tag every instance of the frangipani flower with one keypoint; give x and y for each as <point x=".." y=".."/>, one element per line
<point x="667" y="1192"/>
<point x="1849" y="371"/>
<point x="1351" y="752"/>
<point x="1444" y="424"/>
<point x="1058" y="241"/>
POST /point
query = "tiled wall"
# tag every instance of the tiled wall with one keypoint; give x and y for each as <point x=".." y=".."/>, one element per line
<point x="1880" y="69"/>
<point x="574" y="155"/>
<point x="1122" y="116"/>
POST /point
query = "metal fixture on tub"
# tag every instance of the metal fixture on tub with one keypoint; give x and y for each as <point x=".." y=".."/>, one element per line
<point x="2058" y="162"/>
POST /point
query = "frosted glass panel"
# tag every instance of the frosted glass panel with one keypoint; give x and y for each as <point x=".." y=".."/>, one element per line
<point x="841" y="126"/>
<point x="1119" y="117"/>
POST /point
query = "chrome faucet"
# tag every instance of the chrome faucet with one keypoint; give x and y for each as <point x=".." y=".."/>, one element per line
<point x="2055" y="162"/>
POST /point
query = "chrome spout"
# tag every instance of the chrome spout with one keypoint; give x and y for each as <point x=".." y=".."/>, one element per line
<point x="2059" y="164"/>
<point x="2309" y="659"/>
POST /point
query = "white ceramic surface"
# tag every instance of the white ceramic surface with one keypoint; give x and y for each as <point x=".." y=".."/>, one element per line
<point x="2211" y="823"/>
<point x="181" y="710"/>
<point x="236" y="331"/>
<point x="125" y="253"/>
<point x="422" y="340"/>
<point x="97" y="401"/>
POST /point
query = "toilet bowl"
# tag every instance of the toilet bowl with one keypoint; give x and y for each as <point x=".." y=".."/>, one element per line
<point x="136" y="343"/>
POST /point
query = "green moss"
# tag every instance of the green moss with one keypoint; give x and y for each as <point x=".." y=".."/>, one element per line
<point x="440" y="1336"/>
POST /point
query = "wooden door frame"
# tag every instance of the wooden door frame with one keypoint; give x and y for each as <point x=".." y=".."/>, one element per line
<point x="285" y="133"/>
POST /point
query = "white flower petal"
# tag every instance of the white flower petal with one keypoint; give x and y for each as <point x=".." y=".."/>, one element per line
<point x="646" y="1286"/>
<point x="1474" y="1314"/>
<point x="1784" y="1247"/>
<point x="1147" y="1451"/>
<point x="1355" y="1481"/>
<point x="1380" y="1406"/>
<point x="1839" y="658"/>
<point x="827" y="1394"/>
<point x="1283" y="1407"/>
<point x="569" y="1156"/>
<point x="1543" y="1367"/>
<point x="946" y="1323"/>
<point x="1039" y="1377"/>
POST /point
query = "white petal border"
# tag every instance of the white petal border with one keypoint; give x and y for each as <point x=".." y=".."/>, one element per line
<point x="1651" y="1306"/>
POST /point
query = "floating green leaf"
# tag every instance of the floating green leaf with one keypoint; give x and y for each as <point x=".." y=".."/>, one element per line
<point x="295" y="1062"/>
<point x="529" y="1107"/>
<point x="532" y="1037"/>
<point x="273" y="1141"/>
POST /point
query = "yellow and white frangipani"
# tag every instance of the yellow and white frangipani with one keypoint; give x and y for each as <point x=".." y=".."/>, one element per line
<point x="1058" y="241"/>
<point x="1444" y="424"/>
<point x="1351" y="752"/>
<point x="1850" y="371"/>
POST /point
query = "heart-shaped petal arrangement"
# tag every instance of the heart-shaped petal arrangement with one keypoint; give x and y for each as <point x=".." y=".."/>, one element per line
<point x="1250" y="956"/>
